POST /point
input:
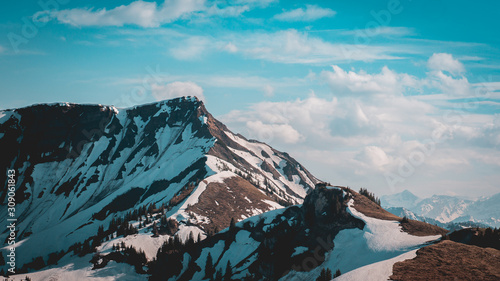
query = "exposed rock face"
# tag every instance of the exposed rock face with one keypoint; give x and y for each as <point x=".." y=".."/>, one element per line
<point x="325" y="210"/>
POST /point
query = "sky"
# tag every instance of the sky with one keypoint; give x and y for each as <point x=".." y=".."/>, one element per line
<point x="386" y="95"/>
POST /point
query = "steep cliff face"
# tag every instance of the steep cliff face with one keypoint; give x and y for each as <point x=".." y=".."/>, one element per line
<point x="80" y="166"/>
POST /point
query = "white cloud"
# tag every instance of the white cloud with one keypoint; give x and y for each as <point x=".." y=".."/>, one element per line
<point x="363" y="136"/>
<point x="256" y="3"/>
<point x="191" y="48"/>
<point x="374" y="156"/>
<point x="268" y="90"/>
<point x="292" y="46"/>
<point x="310" y="13"/>
<point x="350" y="82"/>
<point x="449" y="85"/>
<point x="229" y="11"/>
<point x="177" y="89"/>
<point x="445" y="62"/>
<point x="381" y="30"/>
<point x="230" y="47"/>
<point x="141" y="13"/>
<point x="283" y="132"/>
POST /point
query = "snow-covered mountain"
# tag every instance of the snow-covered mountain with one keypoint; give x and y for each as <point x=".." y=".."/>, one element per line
<point x="445" y="209"/>
<point x="78" y="167"/>
<point x="402" y="199"/>
<point x="164" y="191"/>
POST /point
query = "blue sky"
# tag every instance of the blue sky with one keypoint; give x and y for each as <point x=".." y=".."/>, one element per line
<point x="388" y="95"/>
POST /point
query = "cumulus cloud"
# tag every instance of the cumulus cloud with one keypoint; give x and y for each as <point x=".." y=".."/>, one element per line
<point x="177" y="89"/>
<point x="283" y="132"/>
<point x="374" y="156"/>
<point x="374" y="128"/>
<point x="445" y="62"/>
<point x="449" y="85"/>
<point x="310" y="13"/>
<point x="385" y="82"/>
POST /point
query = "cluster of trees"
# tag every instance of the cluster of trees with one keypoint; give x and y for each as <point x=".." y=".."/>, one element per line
<point x="216" y="275"/>
<point x="483" y="237"/>
<point x="488" y="238"/>
<point x="122" y="253"/>
<point x="326" y="275"/>
<point x="120" y="226"/>
<point x="369" y="195"/>
<point x="183" y="193"/>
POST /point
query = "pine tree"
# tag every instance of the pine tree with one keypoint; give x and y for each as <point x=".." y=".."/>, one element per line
<point x="218" y="276"/>
<point x="190" y="239"/>
<point x="229" y="272"/>
<point x="328" y="274"/>
<point x="209" y="267"/>
<point x="232" y="224"/>
<point x="325" y="275"/>
<point x="337" y="273"/>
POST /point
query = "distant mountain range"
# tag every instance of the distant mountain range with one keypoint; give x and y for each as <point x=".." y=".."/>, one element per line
<point x="444" y="209"/>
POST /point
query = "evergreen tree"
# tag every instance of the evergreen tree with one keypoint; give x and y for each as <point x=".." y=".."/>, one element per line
<point x="209" y="267"/>
<point x="325" y="275"/>
<point x="218" y="276"/>
<point x="229" y="272"/>
<point x="232" y="224"/>
<point x="337" y="273"/>
<point x="190" y="241"/>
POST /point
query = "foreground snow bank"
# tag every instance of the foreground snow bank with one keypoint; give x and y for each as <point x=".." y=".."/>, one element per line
<point x="379" y="271"/>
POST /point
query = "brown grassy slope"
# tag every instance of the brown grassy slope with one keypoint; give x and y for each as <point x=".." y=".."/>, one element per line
<point x="449" y="260"/>
<point x="222" y="201"/>
<point x="413" y="227"/>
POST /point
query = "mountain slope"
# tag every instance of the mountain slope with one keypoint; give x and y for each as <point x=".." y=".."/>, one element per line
<point x="79" y="167"/>
<point x="297" y="242"/>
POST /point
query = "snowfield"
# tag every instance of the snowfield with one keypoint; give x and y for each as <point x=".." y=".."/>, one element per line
<point x="75" y="268"/>
<point x="379" y="271"/>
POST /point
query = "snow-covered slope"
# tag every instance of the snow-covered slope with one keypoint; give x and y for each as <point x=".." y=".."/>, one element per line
<point x="294" y="243"/>
<point x="297" y="242"/>
<point x="78" y="167"/>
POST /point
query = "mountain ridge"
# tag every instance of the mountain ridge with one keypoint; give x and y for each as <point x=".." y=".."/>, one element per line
<point x="446" y="208"/>
<point x="79" y="166"/>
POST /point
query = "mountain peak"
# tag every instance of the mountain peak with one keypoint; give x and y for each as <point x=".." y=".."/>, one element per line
<point x="81" y="166"/>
